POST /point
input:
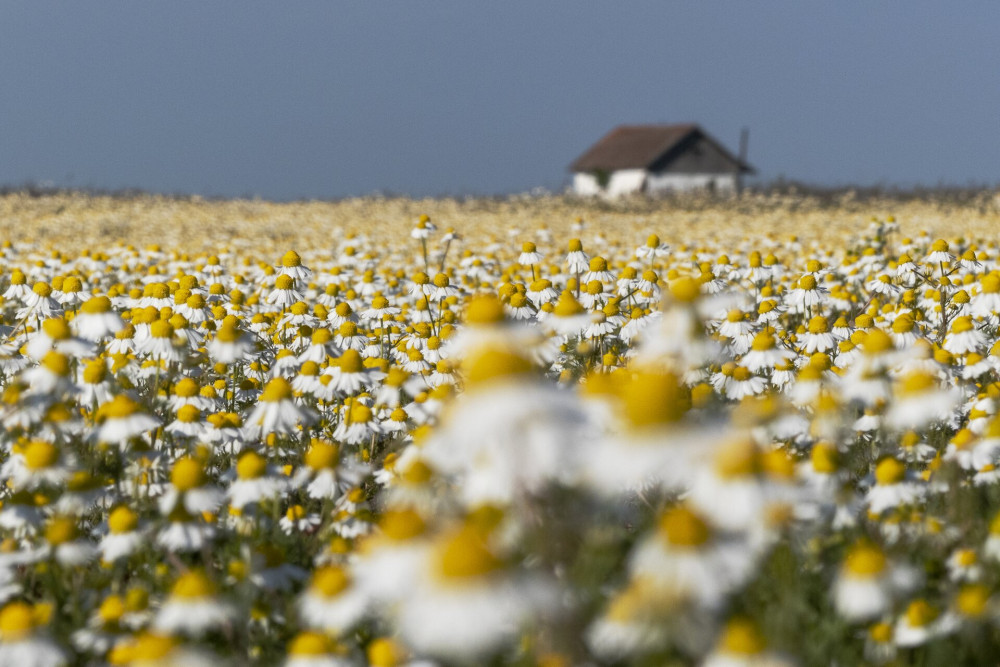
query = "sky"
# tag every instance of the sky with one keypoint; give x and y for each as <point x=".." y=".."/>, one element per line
<point x="328" y="99"/>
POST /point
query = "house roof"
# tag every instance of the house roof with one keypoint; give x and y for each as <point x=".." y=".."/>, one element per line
<point x="640" y="146"/>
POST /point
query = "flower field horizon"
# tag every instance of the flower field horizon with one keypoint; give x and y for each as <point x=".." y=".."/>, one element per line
<point x="534" y="431"/>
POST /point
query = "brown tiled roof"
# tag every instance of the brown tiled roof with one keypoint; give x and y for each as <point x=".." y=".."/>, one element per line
<point x="631" y="147"/>
<point x="638" y="147"/>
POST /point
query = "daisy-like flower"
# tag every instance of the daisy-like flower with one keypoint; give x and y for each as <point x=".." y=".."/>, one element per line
<point x="742" y="645"/>
<point x="39" y="303"/>
<point x="320" y="474"/>
<point x="254" y="481"/>
<point x="922" y="622"/>
<point x="38" y="463"/>
<point x="939" y="254"/>
<point x="97" y="319"/>
<point x="298" y="520"/>
<point x="50" y="377"/>
<point x="423" y="229"/>
<point x="689" y="561"/>
<point x="358" y="425"/>
<point x="963" y="337"/>
<point x="866" y="585"/>
<point x="277" y="411"/>
<point x="160" y="345"/>
<point x="23" y="640"/>
<point x="122" y="419"/>
<point x="55" y="334"/>
<point x="284" y="293"/>
<point x="652" y="249"/>
<point x="568" y="318"/>
<point x="765" y="353"/>
<point x="191" y="488"/>
<point x="893" y="487"/>
<point x="291" y="265"/>
<point x="348" y="374"/>
<point x="919" y="400"/>
<point x="314" y="649"/>
<point x="193" y="607"/>
<point x="529" y="254"/>
<point x="818" y="337"/>
<point x="332" y="602"/>
<point x="577" y="261"/>
<point x="466" y="603"/>
<point x="124" y="537"/>
<point x="187" y="425"/>
<point x="65" y="544"/>
<point x="807" y="294"/>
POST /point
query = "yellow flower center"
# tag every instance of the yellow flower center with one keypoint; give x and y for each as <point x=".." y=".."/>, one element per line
<point x="972" y="600"/>
<point x="568" y="306"/>
<point x="290" y="259"/>
<point x="161" y="329"/>
<point x="310" y="643"/>
<point x="465" y="555"/>
<point x="876" y="341"/>
<point x="962" y="324"/>
<point x="484" y="310"/>
<point x="881" y="633"/>
<point x="330" y="580"/>
<point x="60" y="530"/>
<point x="402" y="524"/>
<point x="193" y="584"/>
<point x="742" y="637"/>
<point x="490" y="364"/>
<point x="276" y="390"/>
<point x="17" y="620"/>
<point x="825" y="458"/>
<point x="685" y="289"/>
<point x="56" y="328"/>
<point x="40" y="455"/>
<point x="187" y="474"/>
<point x="384" y="652"/>
<point x="56" y="363"/>
<point x="111" y="609"/>
<point x="682" y="527"/>
<point x="890" y="471"/>
<point x="737" y="458"/>
<point x="920" y="612"/>
<point x="865" y="560"/>
<point x="653" y="399"/>
<point x="322" y="455"/>
<point x="122" y="520"/>
<point x="188" y="414"/>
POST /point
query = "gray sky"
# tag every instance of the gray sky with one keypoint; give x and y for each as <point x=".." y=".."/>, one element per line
<point x="331" y="99"/>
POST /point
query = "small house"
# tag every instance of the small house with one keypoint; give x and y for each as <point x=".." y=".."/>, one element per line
<point x="652" y="159"/>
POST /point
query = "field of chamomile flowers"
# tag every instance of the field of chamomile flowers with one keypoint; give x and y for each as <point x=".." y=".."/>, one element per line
<point x="539" y="432"/>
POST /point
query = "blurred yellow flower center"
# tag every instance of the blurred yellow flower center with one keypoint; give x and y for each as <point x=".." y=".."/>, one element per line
<point x="330" y="580"/>
<point x="682" y="527"/>
<point x="187" y="474"/>
<point x="890" y="471"/>
<point x="193" y="584"/>
<point x="865" y="560"/>
<point x="742" y="637"/>
<point x="17" y="621"/>
<point x="465" y="555"/>
<point x="39" y="455"/>
<point x="251" y="465"/>
<point x="122" y="520"/>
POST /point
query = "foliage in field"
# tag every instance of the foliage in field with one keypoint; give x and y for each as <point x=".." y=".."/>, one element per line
<point x="537" y="438"/>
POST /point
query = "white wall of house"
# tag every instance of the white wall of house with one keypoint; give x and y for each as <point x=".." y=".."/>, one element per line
<point x="585" y="184"/>
<point x="627" y="181"/>
<point x="681" y="182"/>
<point x="621" y="182"/>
